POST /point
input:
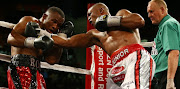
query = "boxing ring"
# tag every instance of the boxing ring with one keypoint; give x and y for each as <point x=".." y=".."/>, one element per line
<point x="90" y="71"/>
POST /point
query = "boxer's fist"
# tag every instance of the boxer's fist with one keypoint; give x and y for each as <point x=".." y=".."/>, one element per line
<point x="30" y="30"/>
<point x="43" y="42"/>
<point x="67" y="28"/>
<point x="33" y="30"/>
<point x="104" y="22"/>
<point x="101" y="23"/>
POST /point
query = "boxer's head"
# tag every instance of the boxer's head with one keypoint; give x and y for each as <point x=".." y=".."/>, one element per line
<point x="97" y="10"/>
<point x="52" y="19"/>
<point x="157" y="10"/>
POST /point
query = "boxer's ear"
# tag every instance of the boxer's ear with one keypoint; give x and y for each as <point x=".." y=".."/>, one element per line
<point x="44" y="16"/>
<point x="101" y="10"/>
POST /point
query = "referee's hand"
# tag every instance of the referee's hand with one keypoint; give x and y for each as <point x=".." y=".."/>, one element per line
<point x="170" y="84"/>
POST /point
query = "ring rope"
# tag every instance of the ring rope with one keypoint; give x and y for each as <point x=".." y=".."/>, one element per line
<point x="147" y="44"/>
<point x="7" y="24"/>
<point x="7" y="58"/>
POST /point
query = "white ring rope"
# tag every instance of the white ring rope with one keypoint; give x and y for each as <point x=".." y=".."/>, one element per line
<point x="7" y="24"/>
<point x="7" y="58"/>
<point x="147" y="44"/>
<point x="3" y="88"/>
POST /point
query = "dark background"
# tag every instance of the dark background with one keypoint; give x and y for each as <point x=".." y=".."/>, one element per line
<point x="75" y="11"/>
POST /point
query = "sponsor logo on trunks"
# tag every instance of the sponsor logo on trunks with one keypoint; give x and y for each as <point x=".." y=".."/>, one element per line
<point x="120" y="55"/>
<point x="117" y="70"/>
<point x="119" y="79"/>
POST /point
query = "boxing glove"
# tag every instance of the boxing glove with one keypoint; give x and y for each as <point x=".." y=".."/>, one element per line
<point x="33" y="30"/>
<point x="67" y="28"/>
<point x="30" y="30"/>
<point x="41" y="32"/>
<point x="43" y="42"/>
<point x="103" y="22"/>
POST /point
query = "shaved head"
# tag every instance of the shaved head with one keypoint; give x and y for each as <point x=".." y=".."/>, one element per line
<point x="101" y="7"/>
<point x="97" y="10"/>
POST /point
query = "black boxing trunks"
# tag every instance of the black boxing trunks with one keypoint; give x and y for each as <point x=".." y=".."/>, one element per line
<point x="23" y="73"/>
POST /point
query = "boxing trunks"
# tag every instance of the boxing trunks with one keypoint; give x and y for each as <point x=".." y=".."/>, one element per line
<point x="23" y="73"/>
<point x="133" y="68"/>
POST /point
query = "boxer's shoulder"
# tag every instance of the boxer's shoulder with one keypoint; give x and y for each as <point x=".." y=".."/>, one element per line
<point x="21" y="25"/>
<point x="27" y="19"/>
<point x="123" y="12"/>
<point x="96" y="33"/>
<point x="93" y="31"/>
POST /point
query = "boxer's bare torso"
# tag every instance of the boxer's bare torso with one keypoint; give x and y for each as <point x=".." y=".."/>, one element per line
<point x="17" y="38"/>
<point x="117" y="37"/>
<point x="110" y="41"/>
<point x="113" y="40"/>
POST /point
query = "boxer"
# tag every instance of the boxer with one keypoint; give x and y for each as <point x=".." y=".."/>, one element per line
<point x="133" y="67"/>
<point x="29" y="46"/>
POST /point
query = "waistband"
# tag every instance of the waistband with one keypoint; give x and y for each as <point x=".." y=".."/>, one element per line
<point x="123" y="52"/>
<point x="25" y="60"/>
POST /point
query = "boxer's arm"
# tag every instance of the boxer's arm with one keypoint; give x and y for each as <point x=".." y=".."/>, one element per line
<point x="80" y="40"/>
<point x="130" y="20"/>
<point x="16" y="37"/>
<point x="123" y="19"/>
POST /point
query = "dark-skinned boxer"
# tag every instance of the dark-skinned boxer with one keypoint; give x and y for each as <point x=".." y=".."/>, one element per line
<point x="29" y="46"/>
<point x="133" y="67"/>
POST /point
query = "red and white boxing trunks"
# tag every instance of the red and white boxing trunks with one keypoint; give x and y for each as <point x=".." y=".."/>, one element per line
<point x="133" y="68"/>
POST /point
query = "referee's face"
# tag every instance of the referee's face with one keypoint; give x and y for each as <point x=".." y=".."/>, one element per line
<point x="154" y="13"/>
